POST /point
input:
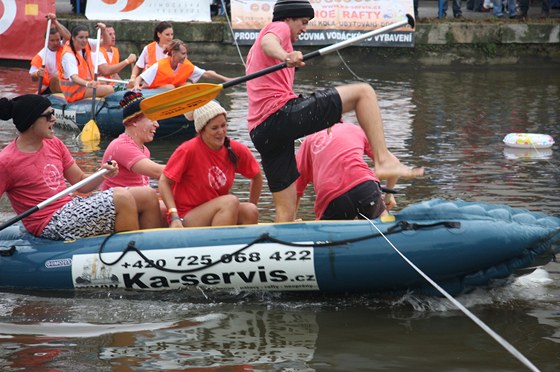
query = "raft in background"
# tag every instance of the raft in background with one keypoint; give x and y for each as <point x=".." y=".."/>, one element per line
<point x="460" y="245"/>
<point x="109" y="117"/>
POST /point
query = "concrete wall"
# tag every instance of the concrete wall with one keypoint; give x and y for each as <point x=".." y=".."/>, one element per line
<point x="437" y="44"/>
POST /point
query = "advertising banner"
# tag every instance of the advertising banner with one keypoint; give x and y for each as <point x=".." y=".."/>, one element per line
<point x="23" y="25"/>
<point x="149" y="10"/>
<point x="335" y="20"/>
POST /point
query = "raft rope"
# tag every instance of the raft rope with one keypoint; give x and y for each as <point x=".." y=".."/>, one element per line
<point x="398" y="227"/>
<point x="509" y="347"/>
<point x="232" y="33"/>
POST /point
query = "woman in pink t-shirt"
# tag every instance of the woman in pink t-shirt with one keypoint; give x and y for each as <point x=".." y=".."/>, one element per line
<point x="197" y="179"/>
<point x="37" y="165"/>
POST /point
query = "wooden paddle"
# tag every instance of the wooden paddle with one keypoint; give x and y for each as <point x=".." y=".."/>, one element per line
<point x="189" y="97"/>
<point x="112" y="80"/>
<point x="44" y="55"/>
<point x="90" y="131"/>
<point x="65" y="192"/>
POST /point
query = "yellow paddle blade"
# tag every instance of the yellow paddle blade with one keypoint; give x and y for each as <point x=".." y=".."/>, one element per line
<point x="90" y="132"/>
<point x="179" y="100"/>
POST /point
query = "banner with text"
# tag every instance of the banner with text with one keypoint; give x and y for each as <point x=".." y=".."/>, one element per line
<point x="149" y="10"/>
<point x="23" y="26"/>
<point x="335" y="20"/>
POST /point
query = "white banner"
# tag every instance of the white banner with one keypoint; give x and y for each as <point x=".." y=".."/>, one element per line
<point x="149" y="10"/>
<point x="335" y="20"/>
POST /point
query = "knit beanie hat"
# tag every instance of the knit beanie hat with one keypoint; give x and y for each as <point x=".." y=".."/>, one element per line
<point x="204" y="114"/>
<point x="130" y="104"/>
<point x="25" y="110"/>
<point x="292" y="9"/>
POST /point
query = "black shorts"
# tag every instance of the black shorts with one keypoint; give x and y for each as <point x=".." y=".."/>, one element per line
<point x="364" y="198"/>
<point x="274" y="138"/>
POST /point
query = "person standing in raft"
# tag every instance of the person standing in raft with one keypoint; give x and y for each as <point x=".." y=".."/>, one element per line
<point x="52" y="54"/>
<point x="36" y="166"/>
<point x="174" y="70"/>
<point x="197" y="179"/>
<point x="277" y="116"/>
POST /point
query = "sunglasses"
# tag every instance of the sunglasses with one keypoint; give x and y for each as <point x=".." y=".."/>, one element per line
<point x="49" y="115"/>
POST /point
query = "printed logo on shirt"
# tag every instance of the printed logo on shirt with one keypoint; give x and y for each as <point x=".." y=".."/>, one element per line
<point x="52" y="177"/>
<point x="216" y="178"/>
<point x="320" y="141"/>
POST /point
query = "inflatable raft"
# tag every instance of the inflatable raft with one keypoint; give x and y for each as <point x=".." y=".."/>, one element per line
<point x="460" y="245"/>
<point x="528" y="140"/>
<point x="108" y="117"/>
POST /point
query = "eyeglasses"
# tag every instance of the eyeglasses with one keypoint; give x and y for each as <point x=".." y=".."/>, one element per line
<point x="48" y="115"/>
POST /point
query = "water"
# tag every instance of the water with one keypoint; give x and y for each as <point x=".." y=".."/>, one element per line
<point x="452" y="121"/>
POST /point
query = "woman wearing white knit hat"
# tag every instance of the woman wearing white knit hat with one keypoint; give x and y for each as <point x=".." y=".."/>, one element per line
<point x="197" y="179"/>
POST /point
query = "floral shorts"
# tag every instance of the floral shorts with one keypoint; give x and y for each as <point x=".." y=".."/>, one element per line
<point x="83" y="217"/>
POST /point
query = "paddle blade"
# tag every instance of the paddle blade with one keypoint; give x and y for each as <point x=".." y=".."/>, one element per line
<point x="90" y="132"/>
<point x="179" y="100"/>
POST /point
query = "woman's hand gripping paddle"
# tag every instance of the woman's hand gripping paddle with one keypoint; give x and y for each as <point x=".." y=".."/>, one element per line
<point x="189" y="97"/>
<point x="90" y="132"/>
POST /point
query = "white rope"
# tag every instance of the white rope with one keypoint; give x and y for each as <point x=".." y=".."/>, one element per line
<point x="512" y="350"/>
<point x="232" y="33"/>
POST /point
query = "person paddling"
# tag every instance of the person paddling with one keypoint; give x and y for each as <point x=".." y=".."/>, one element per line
<point x="277" y="116"/>
<point x="36" y="166"/>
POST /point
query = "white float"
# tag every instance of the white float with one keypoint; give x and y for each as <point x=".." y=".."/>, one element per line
<point x="528" y="140"/>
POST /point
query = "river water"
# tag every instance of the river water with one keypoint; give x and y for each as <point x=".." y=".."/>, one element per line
<point x="450" y="120"/>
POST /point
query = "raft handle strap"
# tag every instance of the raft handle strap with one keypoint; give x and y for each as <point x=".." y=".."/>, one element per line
<point x="8" y="252"/>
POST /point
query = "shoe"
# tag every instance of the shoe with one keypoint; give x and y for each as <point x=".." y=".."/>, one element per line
<point x="458" y="16"/>
<point x="488" y="5"/>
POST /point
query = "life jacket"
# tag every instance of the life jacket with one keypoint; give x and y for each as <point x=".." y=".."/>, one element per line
<point x="113" y="61"/>
<point x="165" y="74"/>
<point x="72" y="91"/>
<point x="37" y="61"/>
<point x="152" y="55"/>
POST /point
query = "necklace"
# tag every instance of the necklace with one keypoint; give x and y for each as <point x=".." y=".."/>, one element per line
<point x="141" y="147"/>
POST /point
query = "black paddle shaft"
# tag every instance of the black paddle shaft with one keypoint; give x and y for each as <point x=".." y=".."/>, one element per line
<point x="322" y="51"/>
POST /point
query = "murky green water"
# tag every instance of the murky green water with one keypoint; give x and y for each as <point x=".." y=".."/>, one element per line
<point x="451" y="121"/>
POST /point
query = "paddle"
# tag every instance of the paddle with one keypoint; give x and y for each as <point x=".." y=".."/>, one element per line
<point x="44" y="54"/>
<point x="65" y="192"/>
<point x="113" y="80"/>
<point x="189" y="97"/>
<point x="90" y="131"/>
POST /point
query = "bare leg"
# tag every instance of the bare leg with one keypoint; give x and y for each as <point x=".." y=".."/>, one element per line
<point x="362" y="99"/>
<point x="248" y="214"/>
<point x="221" y="211"/>
<point x="285" y="202"/>
<point x="102" y="91"/>
<point x="55" y="85"/>
<point x="126" y="218"/>
<point x="149" y="215"/>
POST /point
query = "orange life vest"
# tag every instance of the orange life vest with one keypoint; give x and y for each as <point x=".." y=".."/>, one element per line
<point x="72" y="91"/>
<point x="165" y="74"/>
<point x="37" y="61"/>
<point x="152" y="55"/>
<point x="113" y="61"/>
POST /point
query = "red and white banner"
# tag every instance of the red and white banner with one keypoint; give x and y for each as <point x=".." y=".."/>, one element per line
<point x="23" y="25"/>
<point x="335" y="20"/>
<point x="149" y="10"/>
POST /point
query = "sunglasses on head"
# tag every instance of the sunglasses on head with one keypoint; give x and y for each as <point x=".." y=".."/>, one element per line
<point x="48" y="115"/>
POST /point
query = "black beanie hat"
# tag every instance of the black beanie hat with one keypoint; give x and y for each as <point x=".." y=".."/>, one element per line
<point x="25" y="110"/>
<point x="292" y="9"/>
<point x="130" y="104"/>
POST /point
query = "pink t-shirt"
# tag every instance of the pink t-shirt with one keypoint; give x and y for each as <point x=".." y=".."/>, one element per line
<point x="124" y="151"/>
<point x="267" y="94"/>
<point x="31" y="178"/>
<point x="334" y="163"/>
<point x="202" y="174"/>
